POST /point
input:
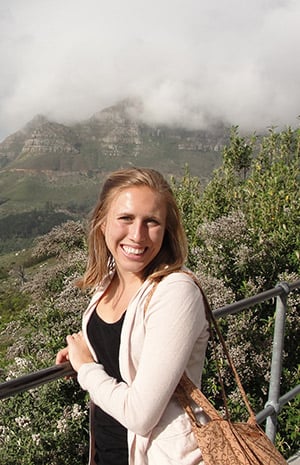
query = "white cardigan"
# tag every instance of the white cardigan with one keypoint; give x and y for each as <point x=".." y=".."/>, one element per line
<point x="156" y="347"/>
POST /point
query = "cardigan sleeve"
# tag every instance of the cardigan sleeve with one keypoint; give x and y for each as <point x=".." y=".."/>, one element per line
<point x="175" y="324"/>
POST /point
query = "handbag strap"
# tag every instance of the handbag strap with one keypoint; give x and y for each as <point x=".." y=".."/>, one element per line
<point x="212" y="319"/>
<point x="186" y="387"/>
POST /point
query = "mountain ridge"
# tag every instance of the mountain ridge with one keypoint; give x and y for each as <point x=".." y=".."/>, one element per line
<point x="48" y="162"/>
<point x="109" y="132"/>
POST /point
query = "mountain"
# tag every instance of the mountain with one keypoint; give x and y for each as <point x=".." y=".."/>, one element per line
<point x="47" y="165"/>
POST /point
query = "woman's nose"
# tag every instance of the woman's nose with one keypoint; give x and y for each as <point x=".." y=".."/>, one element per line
<point x="138" y="231"/>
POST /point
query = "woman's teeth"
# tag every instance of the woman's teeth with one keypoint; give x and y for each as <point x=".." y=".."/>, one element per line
<point x="132" y="250"/>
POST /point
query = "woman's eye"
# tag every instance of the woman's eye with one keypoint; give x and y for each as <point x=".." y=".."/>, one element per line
<point x="152" y="221"/>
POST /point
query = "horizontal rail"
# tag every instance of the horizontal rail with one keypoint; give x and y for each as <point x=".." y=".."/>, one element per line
<point x="269" y="409"/>
<point x="32" y="380"/>
<point x="235" y="307"/>
<point x="46" y="375"/>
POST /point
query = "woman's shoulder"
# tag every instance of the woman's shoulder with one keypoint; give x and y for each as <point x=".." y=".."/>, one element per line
<point x="181" y="281"/>
<point x="182" y="275"/>
<point x="179" y="290"/>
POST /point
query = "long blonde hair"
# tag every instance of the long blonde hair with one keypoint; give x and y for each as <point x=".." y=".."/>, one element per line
<point x="173" y="252"/>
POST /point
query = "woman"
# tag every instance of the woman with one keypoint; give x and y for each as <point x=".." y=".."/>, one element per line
<point x="134" y="346"/>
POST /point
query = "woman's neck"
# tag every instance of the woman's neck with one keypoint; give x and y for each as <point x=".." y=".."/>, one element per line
<point x="119" y="293"/>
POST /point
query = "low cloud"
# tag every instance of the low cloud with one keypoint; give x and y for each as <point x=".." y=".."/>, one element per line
<point x="189" y="62"/>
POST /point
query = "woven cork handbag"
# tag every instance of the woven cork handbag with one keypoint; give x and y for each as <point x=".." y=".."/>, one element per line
<point x="223" y="442"/>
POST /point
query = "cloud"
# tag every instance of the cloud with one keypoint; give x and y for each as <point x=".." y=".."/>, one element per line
<point x="189" y="61"/>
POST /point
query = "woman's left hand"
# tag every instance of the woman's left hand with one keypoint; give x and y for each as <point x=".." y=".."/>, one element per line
<point x="78" y="352"/>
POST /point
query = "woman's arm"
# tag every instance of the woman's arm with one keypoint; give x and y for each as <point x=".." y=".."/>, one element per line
<point x="174" y="321"/>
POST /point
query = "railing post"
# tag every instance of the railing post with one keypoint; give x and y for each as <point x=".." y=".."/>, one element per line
<point x="276" y="365"/>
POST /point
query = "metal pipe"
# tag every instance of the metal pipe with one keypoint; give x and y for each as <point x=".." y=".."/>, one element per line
<point x="276" y="365"/>
<point x="243" y="304"/>
<point x="32" y="380"/>
<point x="263" y="414"/>
<point x="290" y="395"/>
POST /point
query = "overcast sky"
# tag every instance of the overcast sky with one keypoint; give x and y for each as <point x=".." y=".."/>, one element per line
<point x="189" y="60"/>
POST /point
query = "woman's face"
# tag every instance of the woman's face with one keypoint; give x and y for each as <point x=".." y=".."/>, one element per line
<point x="134" y="228"/>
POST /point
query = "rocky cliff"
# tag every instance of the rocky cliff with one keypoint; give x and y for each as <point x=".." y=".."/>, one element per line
<point x="64" y="164"/>
<point x="113" y="132"/>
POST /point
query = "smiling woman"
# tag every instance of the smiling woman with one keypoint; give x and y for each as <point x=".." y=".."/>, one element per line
<point x="134" y="229"/>
<point x="124" y="356"/>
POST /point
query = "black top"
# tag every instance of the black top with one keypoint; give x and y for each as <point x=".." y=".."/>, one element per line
<point x="110" y="436"/>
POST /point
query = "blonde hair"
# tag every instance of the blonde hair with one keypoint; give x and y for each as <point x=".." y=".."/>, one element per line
<point x="173" y="252"/>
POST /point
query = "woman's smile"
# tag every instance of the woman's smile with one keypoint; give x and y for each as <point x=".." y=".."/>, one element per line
<point x="129" y="250"/>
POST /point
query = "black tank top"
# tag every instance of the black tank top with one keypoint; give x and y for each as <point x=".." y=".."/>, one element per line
<point x="110" y="436"/>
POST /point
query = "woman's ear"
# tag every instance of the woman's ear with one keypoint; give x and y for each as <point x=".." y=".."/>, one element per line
<point x="102" y="227"/>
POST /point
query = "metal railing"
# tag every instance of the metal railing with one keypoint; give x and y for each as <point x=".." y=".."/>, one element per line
<point x="274" y="402"/>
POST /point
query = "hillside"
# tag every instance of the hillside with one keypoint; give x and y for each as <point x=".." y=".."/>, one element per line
<point x="52" y="166"/>
<point x="243" y="236"/>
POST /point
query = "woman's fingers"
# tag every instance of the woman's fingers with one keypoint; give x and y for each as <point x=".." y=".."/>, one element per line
<point x="62" y="356"/>
<point x="78" y="350"/>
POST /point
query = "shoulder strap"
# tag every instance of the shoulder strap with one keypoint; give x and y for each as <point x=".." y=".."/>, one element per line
<point x="212" y="321"/>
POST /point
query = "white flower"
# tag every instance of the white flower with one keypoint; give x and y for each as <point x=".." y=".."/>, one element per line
<point x="62" y="425"/>
<point x="21" y="362"/>
<point x="77" y="412"/>
<point x="23" y="422"/>
<point x="36" y="438"/>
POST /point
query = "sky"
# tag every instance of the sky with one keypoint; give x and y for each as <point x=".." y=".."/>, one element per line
<point x="189" y="61"/>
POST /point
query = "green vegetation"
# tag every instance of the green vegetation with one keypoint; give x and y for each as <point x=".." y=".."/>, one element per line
<point x="243" y="230"/>
<point x="23" y="192"/>
<point x="17" y="231"/>
<point x="244" y="238"/>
